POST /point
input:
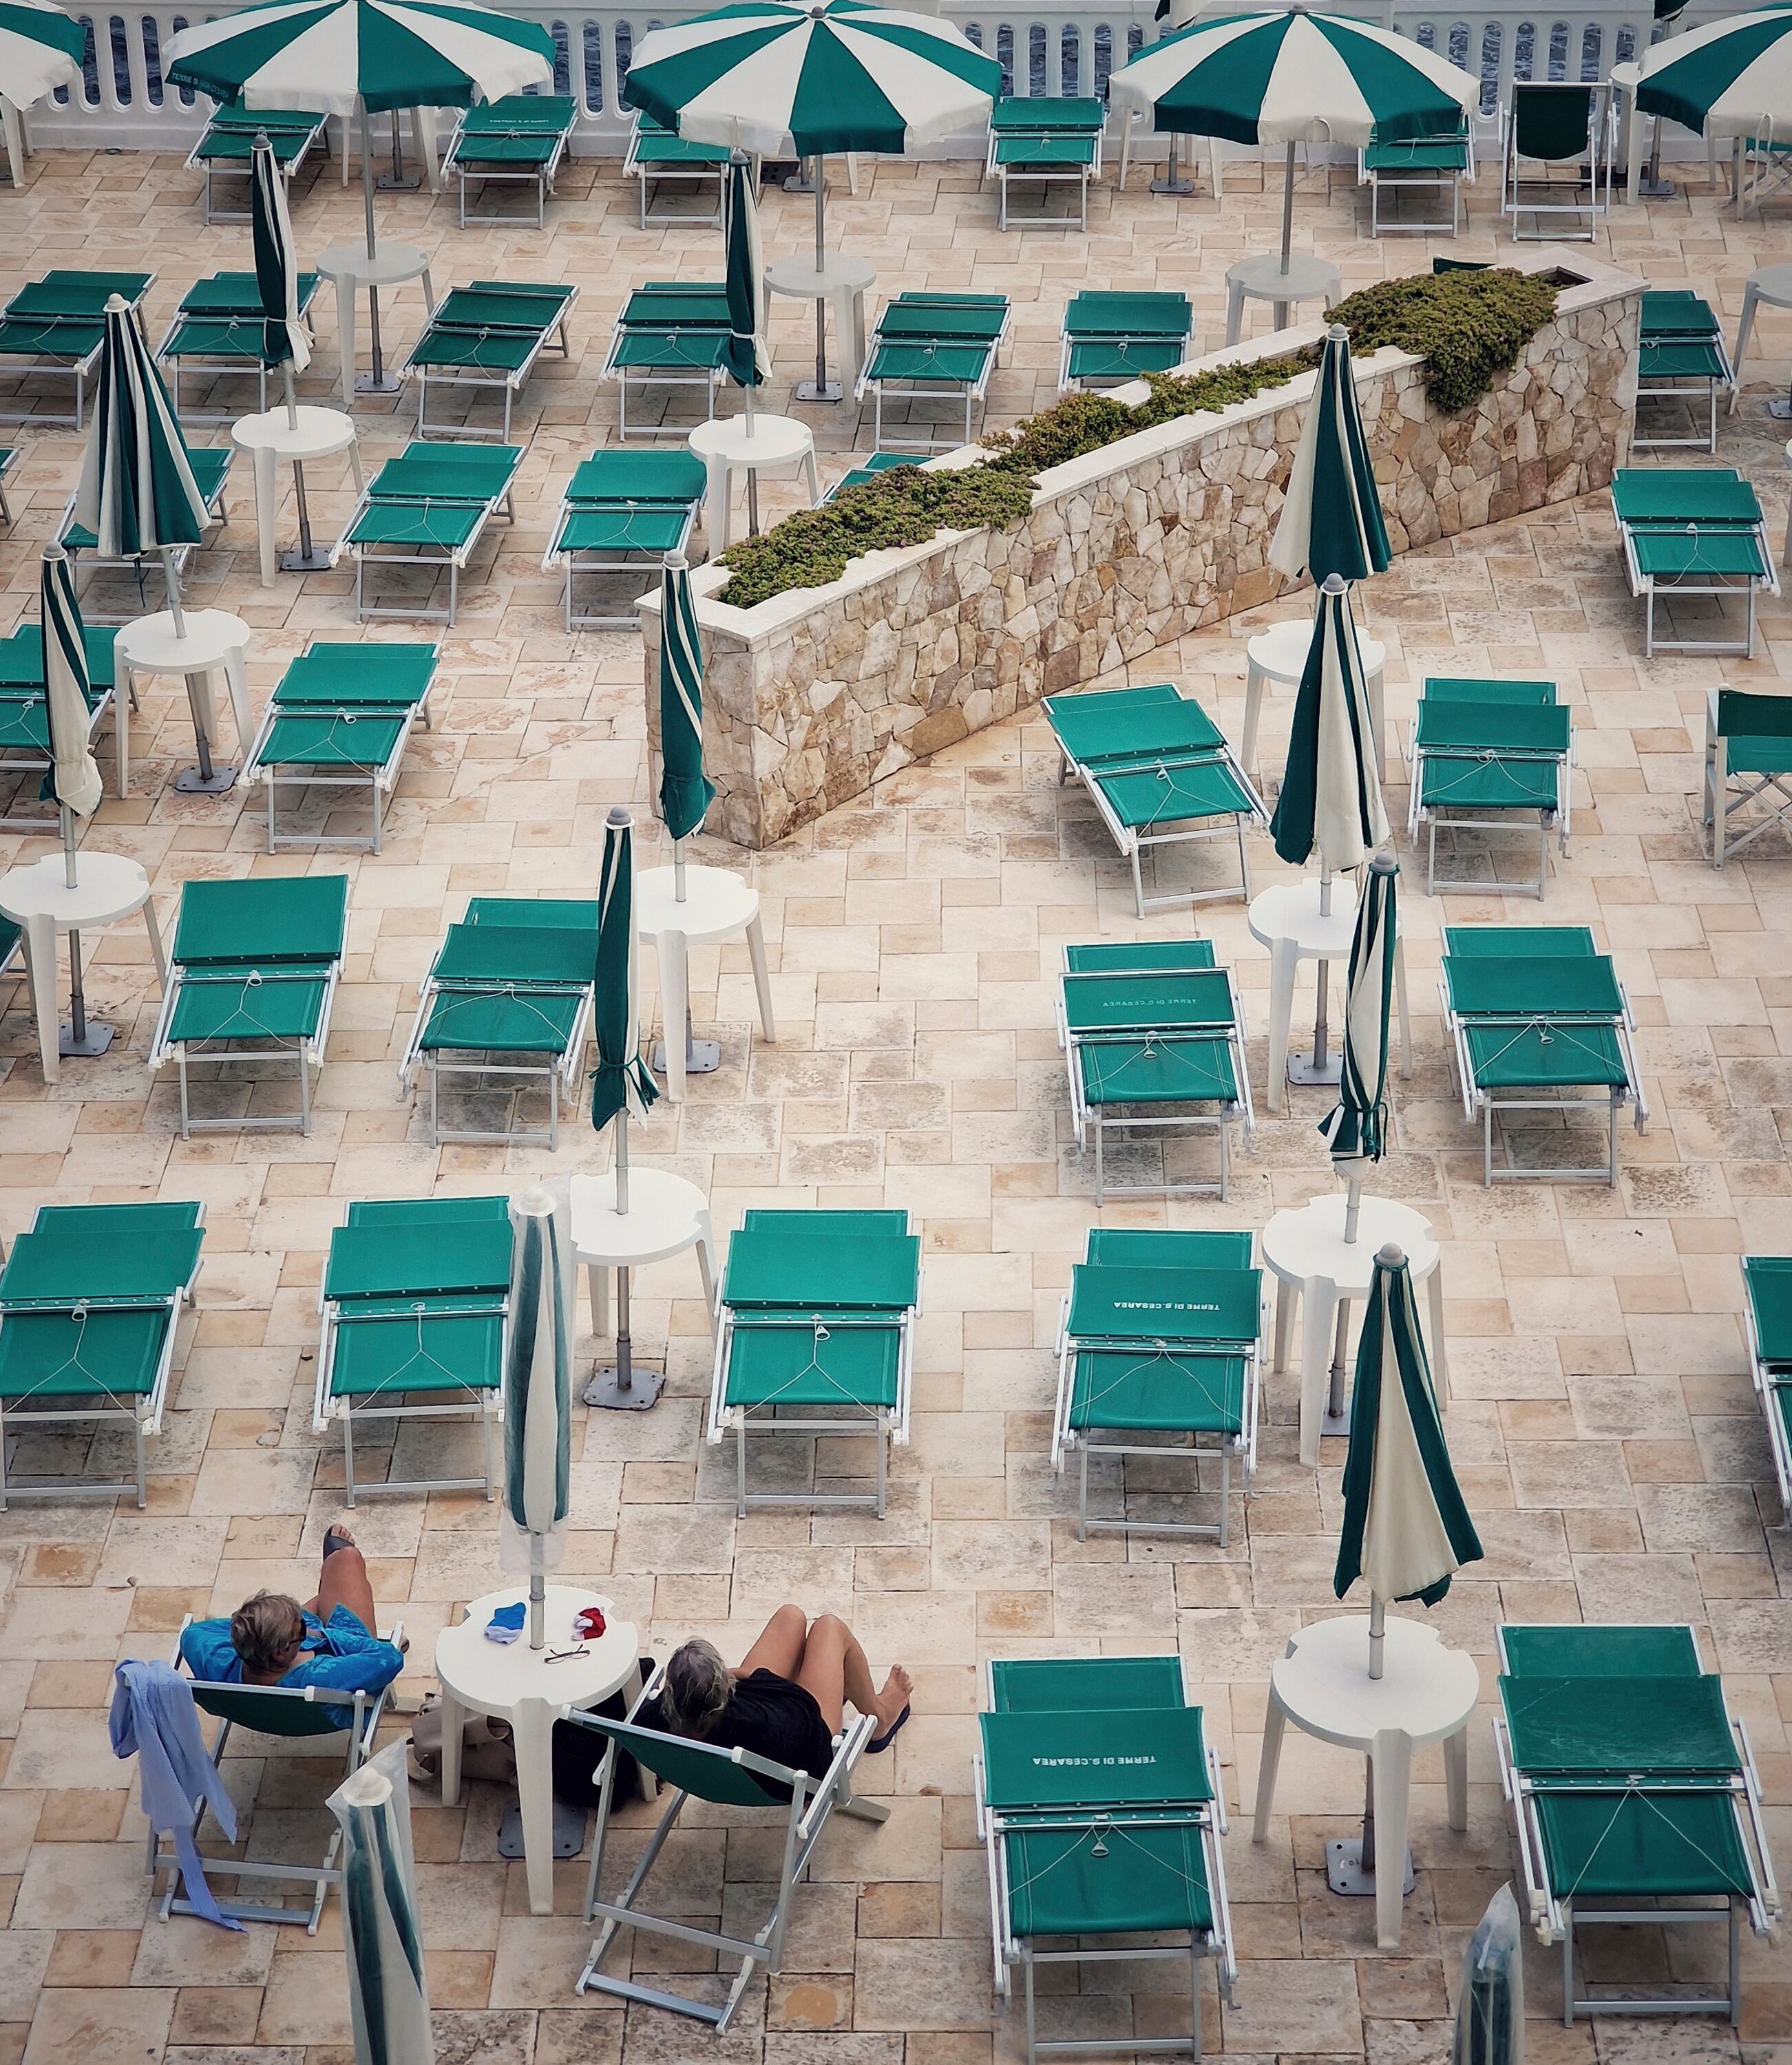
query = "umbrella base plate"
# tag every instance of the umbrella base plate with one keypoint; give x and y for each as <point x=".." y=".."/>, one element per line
<point x="403" y="183"/>
<point x="1345" y="1872"/>
<point x="703" y="1058"/>
<point x="1335" y="1423"/>
<point x="316" y="561"/>
<point x="569" y="1831"/>
<point x="1656" y="189"/>
<point x="189" y="782"/>
<point x="607" y="1392"/>
<point x="1302" y="1069"/>
<point x="798" y="182"/>
<point x="95" y="1040"/>
<point x="1780" y="411"/>
<point x="818" y="390"/>
<point x="387" y="383"/>
<point x="1172" y="186"/>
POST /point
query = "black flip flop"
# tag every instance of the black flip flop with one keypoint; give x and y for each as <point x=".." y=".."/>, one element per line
<point x="335" y="1539"/>
<point x="883" y="1741"/>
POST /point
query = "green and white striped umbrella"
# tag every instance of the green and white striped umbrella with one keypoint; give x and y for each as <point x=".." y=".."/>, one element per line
<point x="1331" y="521"/>
<point x="1730" y="78"/>
<point x="537" y="1381"/>
<point x="621" y="1086"/>
<point x="749" y="365"/>
<point x="684" y="789"/>
<point x="285" y="342"/>
<point x="1356" y="1129"/>
<point x="1331" y="793"/>
<point x="40" y="50"/>
<point x="388" y="1989"/>
<point x="72" y="780"/>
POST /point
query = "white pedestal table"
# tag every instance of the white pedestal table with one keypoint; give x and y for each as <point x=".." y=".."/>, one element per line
<point x="718" y="904"/>
<point x="37" y="898"/>
<point x="1288" y="920"/>
<point x="268" y="438"/>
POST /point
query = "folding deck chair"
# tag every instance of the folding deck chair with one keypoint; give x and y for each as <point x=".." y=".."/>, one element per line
<point x="927" y="344"/>
<point x="1045" y="140"/>
<point x="1748" y="761"/>
<point x="1149" y="1028"/>
<point x="1099" y="1802"/>
<point x="1502" y="751"/>
<point x="8" y="458"/>
<point x="857" y="476"/>
<point x="211" y="471"/>
<point x="1160" y="773"/>
<point x="25" y="715"/>
<point x="340" y="719"/>
<point x="1691" y="530"/>
<point x="56" y="326"/>
<point x="252" y="980"/>
<point x="415" y="1300"/>
<point x="1535" y="1013"/>
<point x="225" y="149"/>
<point x="517" y="977"/>
<point x="1768" y="1280"/>
<point x="1680" y="344"/>
<point x="1635" y="1792"/>
<point x="1110" y="338"/>
<point x="731" y="1780"/>
<point x="1436" y="163"/>
<point x="670" y="334"/>
<point x="1557" y="124"/>
<point x="1160" y="1334"/>
<point x="90" y="1300"/>
<point x="620" y="511"/>
<point x="220" y="329"/>
<point x="817" y="1337"/>
<point x="657" y="156"/>
<point x="487" y="335"/>
<point x="428" y="508"/>
<point x="519" y="138"/>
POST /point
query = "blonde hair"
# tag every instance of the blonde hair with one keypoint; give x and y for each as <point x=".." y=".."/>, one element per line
<point x="698" y="1686"/>
<point x="264" y="1628"/>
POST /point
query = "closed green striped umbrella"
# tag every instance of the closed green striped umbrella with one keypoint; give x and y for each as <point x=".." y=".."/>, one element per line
<point x="1331" y="793"/>
<point x="1331" y="521"/>
<point x="1729" y="78"/>
<point x="684" y="789"/>
<point x="747" y="360"/>
<point x="72" y="779"/>
<point x="538" y="1399"/>
<point x="285" y="340"/>
<point x="1356" y="1129"/>
<point x="40" y="50"/>
<point x="388" y="1989"/>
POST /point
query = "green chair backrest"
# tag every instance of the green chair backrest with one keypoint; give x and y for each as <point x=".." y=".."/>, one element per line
<point x="1111" y="1303"/>
<point x="808" y="1271"/>
<point x="1742" y="713"/>
<point x="426" y="1211"/>
<point x="1084" y="1684"/>
<point x="1520" y="942"/>
<point x="801" y="1219"/>
<point x="1127" y="1247"/>
<point x="1573" y="1649"/>
<point x="262" y="920"/>
<point x="1134" y="956"/>
<point x="1466" y="689"/>
<point x="1091" y="1760"/>
<point x="549" y="955"/>
<point x="723" y="1777"/>
<point x="270" y="1710"/>
<point x="58" y="1268"/>
<point x="423" y="1261"/>
<point x="1551" y="120"/>
<point x="110" y="1222"/>
<point x="574" y="913"/>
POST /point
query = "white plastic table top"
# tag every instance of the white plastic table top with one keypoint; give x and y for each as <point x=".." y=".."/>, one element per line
<point x="666" y="1214"/>
<point x="36" y="896"/>
<point x="214" y="639"/>
<point x="1290" y="911"/>
<point x="725" y="444"/>
<point x="1263" y="278"/>
<point x="350" y="268"/>
<point x="717" y="902"/>
<point x="1281" y="650"/>
<point x="839" y="271"/>
<point x="271" y="437"/>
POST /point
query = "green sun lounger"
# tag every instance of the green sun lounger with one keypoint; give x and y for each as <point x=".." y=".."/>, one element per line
<point x="210" y="470"/>
<point x="1490" y="755"/>
<point x="415" y="1300"/>
<point x="487" y="335"/>
<point x="340" y="719"/>
<point x="1436" y="163"/>
<point x="1099" y="1803"/>
<point x="225" y="149"/>
<point x="622" y="512"/>
<point x="1160" y="1352"/>
<point x="90" y="1302"/>
<point x="516" y="978"/>
<point x="1636" y="1799"/>
<point x="817" y="1338"/>
<point x="1153" y="1035"/>
<point x="519" y="139"/>
<point x="1159" y="772"/>
<point x="1045" y="140"/>
<point x="659" y="156"/>
<point x="1110" y="338"/>
<point x="427" y="508"/>
<point x="1565" y="130"/>
<point x="1693" y="530"/>
<point x="252" y="980"/>
<point x="218" y="329"/>
<point x="670" y="334"/>
<point x="54" y="329"/>
<point x="927" y="345"/>
<point x="858" y="476"/>
<point x="1767" y="1279"/>
<point x="1748" y="767"/>
<point x="25" y="715"/>
<point x="1680" y="349"/>
<point x="1536" y="1014"/>
<point x="9" y="457"/>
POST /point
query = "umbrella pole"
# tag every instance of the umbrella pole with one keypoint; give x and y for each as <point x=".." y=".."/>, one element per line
<point x="678" y="871"/>
<point x="1287" y="205"/>
<point x="1377" y="1622"/>
<point x="67" y="817"/>
<point x="821" y="388"/>
<point x="376" y="383"/>
<point x="1352" y="1204"/>
<point x="1172" y="181"/>
<point x="538" y="1592"/>
<point x="173" y="580"/>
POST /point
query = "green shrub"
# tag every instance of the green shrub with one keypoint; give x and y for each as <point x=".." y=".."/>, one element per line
<point x="1466" y="326"/>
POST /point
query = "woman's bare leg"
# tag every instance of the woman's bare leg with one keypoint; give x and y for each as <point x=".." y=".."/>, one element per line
<point x="834" y="1672"/>
<point x="779" y="1647"/>
<point x="343" y="1581"/>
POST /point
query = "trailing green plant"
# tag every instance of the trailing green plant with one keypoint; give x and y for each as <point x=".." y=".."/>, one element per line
<point x="1466" y="326"/>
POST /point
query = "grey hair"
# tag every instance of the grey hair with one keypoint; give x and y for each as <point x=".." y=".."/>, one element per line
<point x="698" y="1686"/>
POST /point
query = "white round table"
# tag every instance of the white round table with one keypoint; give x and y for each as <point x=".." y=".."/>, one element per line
<point x="1279" y="653"/>
<point x="725" y="447"/>
<point x="351" y="269"/>
<point x="1772" y="285"/>
<point x="1316" y="1267"/>
<point x="1288" y="920"/>
<point x="717" y="904"/>
<point x="215" y="639"/>
<point x="844" y="281"/>
<point x="268" y="438"/>
<point x="39" y="900"/>
<point x="666" y="1214"/>
<point x="518" y="1684"/>
<point x="1263" y="279"/>
<point x="1426" y="1694"/>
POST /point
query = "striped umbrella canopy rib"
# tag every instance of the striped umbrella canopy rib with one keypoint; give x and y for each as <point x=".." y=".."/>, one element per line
<point x="1356" y="1129"/>
<point x="685" y="791"/>
<point x="137" y="491"/>
<point x="275" y="261"/>
<point x="1731" y="78"/>
<point x="538" y="1426"/>
<point x="621" y="1082"/>
<point x="1331" y="793"/>
<point x="840" y="75"/>
<point x="1331" y="521"/>
<point x="1406" y="1526"/>
<point x="388" y="1989"/>
<point x="41" y="49"/>
<point x="72" y="779"/>
<point x="749" y="365"/>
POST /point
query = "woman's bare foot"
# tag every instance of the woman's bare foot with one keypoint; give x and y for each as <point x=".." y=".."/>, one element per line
<point x="892" y="1703"/>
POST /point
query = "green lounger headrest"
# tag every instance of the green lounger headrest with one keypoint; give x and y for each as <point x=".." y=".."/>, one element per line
<point x="1139" y="957"/>
<point x="1150" y="1247"/>
<point x="1619" y="1728"/>
<point x="52" y="1271"/>
<point x="1769" y="1280"/>
<point x="1111" y="1301"/>
<point x="1090" y="1684"/>
<point x="822" y="1272"/>
<point x="1546" y="987"/>
<point x="1172" y="1000"/>
<point x="523" y="955"/>
<point x="262" y="921"/>
<point x="1137" y="1757"/>
<point x="1566" y="1649"/>
<point x="428" y="1260"/>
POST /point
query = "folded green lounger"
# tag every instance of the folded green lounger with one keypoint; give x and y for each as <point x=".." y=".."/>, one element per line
<point x="219" y="328"/>
<point x="1768" y="1280"/>
<point x="415" y="1300"/>
<point x="210" y="470"/>
<point x="659" y="156"/>
<point x="1436" y="163"/>
<point x="1112" y="337"/>
<point x="1748" y="765"/>
<point x="1045" y="140"/>
<point x="489" y="335"/>
<point x="520" y="137"/>
<point x="621" y="508"/>
<point x="670" y="334"/>
<point x="429" y="507"/>
<point x="56" y="326"/>
<point x="1501" y="750"/>
<point x="927" y="344"/>
<point x="1636" y="1796"/>
<point x="228" y="143"/>
<point x="1680" y="345"/>
<point x="1149" y="1031"/>
<point x="1099" y="1803"/>
<point x="817" y="1311"/>
<point x="8" y="456"/>
<point x="90" y="1301"/>
<point x="1535" y="1013"/>
<point x="1160" y="1334"/>
<point x="1160" y="773"/>
<point x="1693" y="530"/>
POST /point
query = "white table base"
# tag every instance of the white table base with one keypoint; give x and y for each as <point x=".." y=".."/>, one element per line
<point x="215" y="640"/>
<point x="666" y="1214"/>
<point x="1287" y="921"/>
<point x="271" y="437"/>
<point x="718" y="904"/>
<point x="845" y="281"/>
<point x="39" y="900"/>
<point x="725" y="447"/>
<point x="1279" y="653"/>
<point x="352" y="270"/>
<point x="1262" y="279"/>
<point x="1772" y="285"/>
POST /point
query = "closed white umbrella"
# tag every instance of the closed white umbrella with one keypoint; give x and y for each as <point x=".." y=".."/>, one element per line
<point x="388" y="1991"/>
<point x="538" y="1404"/>
<point x="73" y="779"/>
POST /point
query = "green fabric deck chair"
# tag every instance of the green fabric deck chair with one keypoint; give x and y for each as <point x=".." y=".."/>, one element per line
<point x="620" y="511"/>
<point x="1563" y="131"/>
<point x="211" y="466"/>
<point x="487" y="335"/>
<point x="857" y="476"/>
<point x="516" y="978"/>
<point x="1636" y="1799"/>
<point x="220" y="329"/>
<point x="54" y="329"/>
<point x="658" y="156"/>
<point x="225" y="150"/>
<point x="1680" y="349"/>
<point x="1045" y="140"/>
<point x="1151" y="1031"/>
<point x="1435" y="164"/>
<point x="1159" y="772"/>
<point x="8" y="458"/>
<point x="928" y="345"/>
<point x="252" y="980"/>
<point x="740" y="1783"/>
<point x="1159" y="1353"/>
<point x="25" y="717"/>
<point x="1748" y="766"/>
<point x="340" y="720"/>
<point x="1110" y="338"/>
<point x="817" y="1340"/>
<point x="429" y="508"/>
<point x="518" y="139"/>
<point x="1687" y="531"/>
<point x="1767" y="1278"/>
<point x="1490" y="755"/>
<point x="415" y="1301"/>
<point x="1535" y="1014"/>
<point x="670" y="334"/>
<point x="1099" y="1803"/>
<point x="90" y="1300"/>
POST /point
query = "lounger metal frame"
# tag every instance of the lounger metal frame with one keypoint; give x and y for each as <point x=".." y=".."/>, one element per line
<point x="560" y="1074"/>
<point x="1771" y="791"/>
<point x="708" y="378"/>
<point x="509" y="383"/>
<point x="1650" y="586"/>
<point x="78" y="369"/>
<point x="1434" y="820"/>
<point x="179" y="364"/>
<point x="1597" y="151"/>
<point x="89" y="559"/>
<point x="696" y="174"/>
<point x="1082" y="176"/>
<point x="452" y="557"/>
<point x="308" y="1053"/>
<point x="378" y="779"/>
<point x="1418" y="179"/>
<point x="574" y="562"/>
<point x="1670" y="389"/>
<point x="1766" y="1380"/>
<point x="462" y="155"/>
<point x="239" y="121"/>
<point x="974" y="392"/>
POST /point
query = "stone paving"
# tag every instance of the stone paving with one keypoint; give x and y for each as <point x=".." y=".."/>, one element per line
<point x="1603" y="1425"/>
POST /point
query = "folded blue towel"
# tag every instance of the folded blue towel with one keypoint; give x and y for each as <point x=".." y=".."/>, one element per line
<point x="506" y="1624"/>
